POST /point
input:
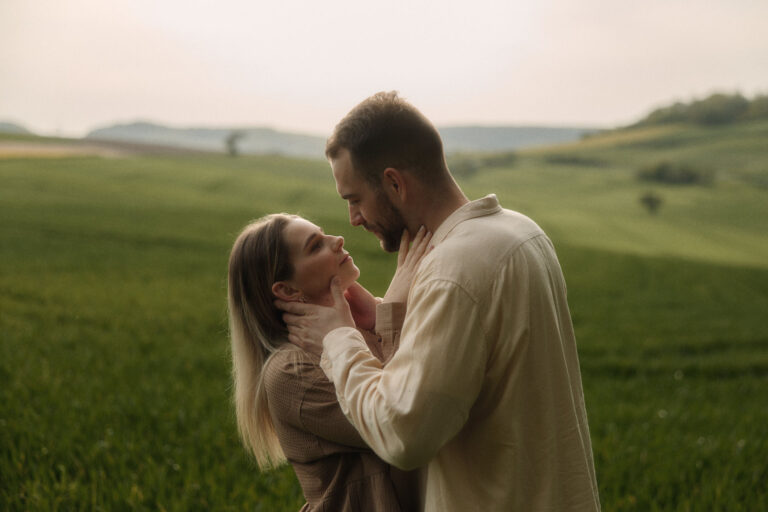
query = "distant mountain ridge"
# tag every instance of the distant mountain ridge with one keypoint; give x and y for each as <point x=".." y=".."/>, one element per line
<point x="254" y="140"/>
<point x="467" y="139"/>
<point x="260" y="140"/>
<point x="8" y="127"/>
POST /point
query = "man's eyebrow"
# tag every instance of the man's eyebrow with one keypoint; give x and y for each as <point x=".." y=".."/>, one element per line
<point x="348" y="196"/>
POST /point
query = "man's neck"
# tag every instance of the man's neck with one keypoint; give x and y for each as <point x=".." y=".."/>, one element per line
<point x="440" y="205"/>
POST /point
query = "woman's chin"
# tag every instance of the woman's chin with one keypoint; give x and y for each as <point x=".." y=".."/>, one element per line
<point x="350" y="278"/>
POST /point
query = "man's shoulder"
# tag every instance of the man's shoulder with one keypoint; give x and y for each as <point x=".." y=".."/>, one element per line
<point x="478" y="251"/>
<point x="490" y="236"/>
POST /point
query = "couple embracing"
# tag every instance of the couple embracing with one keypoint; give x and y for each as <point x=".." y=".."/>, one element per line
<point x="459" y="390"/>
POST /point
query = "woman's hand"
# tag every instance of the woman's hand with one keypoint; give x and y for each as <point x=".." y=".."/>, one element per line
<point x="408" y="259"/>
<point x="362" y="305"/>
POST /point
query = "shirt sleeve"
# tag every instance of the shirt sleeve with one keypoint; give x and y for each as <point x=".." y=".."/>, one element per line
<point x="301" y="395"/>
<point x="389" y="321"/>
<point x="407" y="410"/>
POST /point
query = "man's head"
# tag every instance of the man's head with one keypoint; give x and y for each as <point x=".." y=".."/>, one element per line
<point x="386" y="131"/>
<point x="385" y="136"/>
<point x="368" y="206"/>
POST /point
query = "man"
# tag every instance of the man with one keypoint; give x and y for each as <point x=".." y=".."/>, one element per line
<point x="485" y="389"/>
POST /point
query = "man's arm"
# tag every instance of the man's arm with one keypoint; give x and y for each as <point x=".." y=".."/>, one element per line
<point x="409" y="409"/>
<point x="389" y="323"/>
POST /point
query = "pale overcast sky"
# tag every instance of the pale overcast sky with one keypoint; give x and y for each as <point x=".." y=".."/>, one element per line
<point x="67" y="66"/>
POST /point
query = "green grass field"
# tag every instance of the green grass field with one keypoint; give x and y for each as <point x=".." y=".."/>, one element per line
<point x="114" y="366"/>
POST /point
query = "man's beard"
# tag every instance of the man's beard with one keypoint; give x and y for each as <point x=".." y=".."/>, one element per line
<point x="390" y="226"/>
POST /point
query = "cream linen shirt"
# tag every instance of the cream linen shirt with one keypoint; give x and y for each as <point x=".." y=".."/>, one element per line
<point x="485" y="389"/>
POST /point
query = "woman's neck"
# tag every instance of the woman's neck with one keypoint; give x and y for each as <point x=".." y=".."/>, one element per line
<point x="324" y="300"/>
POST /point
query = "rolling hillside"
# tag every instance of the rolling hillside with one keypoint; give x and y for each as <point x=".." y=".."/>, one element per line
<point x="114" y="362"/>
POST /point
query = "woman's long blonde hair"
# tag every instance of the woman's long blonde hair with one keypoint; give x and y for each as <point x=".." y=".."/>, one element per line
<point x="258" y="259"/>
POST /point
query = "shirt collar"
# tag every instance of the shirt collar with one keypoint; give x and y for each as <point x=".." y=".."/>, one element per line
<point x="477" y="208"/>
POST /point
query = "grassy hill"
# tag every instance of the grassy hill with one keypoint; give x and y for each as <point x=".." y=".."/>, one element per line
<point x="586" y="194"/>
<point x="113" y="355"/>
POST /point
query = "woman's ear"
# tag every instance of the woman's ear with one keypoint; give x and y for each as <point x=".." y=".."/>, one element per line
<point x="286" y="292"/>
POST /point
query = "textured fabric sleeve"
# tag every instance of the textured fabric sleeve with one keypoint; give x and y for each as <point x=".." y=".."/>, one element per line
<point x="389" y="322"/>
<point x="302" y="396"/>
<point x="409" y="409"/>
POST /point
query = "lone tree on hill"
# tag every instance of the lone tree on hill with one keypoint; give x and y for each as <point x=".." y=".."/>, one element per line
<point x="651" y="202"/>
<point x="231" y="141"/>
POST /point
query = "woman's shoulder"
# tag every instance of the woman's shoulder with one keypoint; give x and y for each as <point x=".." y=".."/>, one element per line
<point x="290" y="374"/>
<point x="289" y="364"/>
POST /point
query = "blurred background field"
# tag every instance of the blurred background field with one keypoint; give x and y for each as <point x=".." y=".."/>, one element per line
<point x="114" y="356"/>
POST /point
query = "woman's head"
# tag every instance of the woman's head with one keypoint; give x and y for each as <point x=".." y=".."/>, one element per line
<point x="259" y="258"/>
<point x="286" y="257"/>
<point x="315" y="258"/>
<point x="278" y="256"/>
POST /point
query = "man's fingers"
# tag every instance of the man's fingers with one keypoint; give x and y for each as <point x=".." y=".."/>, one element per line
<point x="296" y="340"/>
<point x="291" y="319"/>
<point x="292" y="307"/>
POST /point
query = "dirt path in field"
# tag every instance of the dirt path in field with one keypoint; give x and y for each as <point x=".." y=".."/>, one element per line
<point x="17" y="149"/>
<point x="65" y="148"/>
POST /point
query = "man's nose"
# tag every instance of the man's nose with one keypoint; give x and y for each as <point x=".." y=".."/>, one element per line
<point x="355" y="218"/>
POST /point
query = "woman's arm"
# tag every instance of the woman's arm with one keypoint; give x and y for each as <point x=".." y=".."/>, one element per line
<point x="300" y="395"/>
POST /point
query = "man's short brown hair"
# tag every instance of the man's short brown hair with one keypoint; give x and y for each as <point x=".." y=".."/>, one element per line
<point x="386" y="131"/>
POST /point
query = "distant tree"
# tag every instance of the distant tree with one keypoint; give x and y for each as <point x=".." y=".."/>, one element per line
<point x="651" y="202"/>
<point x="718" y="108"/>
<point x="573" y="159"/>
<point x="231" y="141"/>
<point x="674" y="174"/>
<point x="758" y="108"/>
<point x="466" y="165"/>
<point x="675" y="113"/>
<point x="506" y="159"/>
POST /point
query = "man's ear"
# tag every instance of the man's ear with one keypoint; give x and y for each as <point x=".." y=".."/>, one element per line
<point x="286" y="292"/>
<point x="394" y="183"/>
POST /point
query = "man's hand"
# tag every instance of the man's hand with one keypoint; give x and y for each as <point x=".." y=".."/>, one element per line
<point x="362" y="304"/>
<point x="309" y="323"/>
<point x="408" y="259"/>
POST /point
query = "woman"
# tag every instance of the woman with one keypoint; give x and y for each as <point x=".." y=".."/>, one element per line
<point x="286" y="407"/>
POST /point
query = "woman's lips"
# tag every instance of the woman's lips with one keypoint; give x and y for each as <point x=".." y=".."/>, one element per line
<point x="345" y="259"/>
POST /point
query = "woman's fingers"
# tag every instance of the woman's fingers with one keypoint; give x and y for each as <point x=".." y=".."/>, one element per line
<point x="403" y="251"/>
<point x="420" y="243"/>
<point x="420" y="249"/>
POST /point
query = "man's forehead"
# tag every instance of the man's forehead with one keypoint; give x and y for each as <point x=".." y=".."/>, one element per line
<point x="348" y="181"/>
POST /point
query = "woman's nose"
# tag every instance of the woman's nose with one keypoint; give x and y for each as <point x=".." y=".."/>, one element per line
<point x="338" y="243"/>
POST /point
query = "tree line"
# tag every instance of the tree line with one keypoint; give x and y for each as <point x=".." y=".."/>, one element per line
<point x="717" y="109"/>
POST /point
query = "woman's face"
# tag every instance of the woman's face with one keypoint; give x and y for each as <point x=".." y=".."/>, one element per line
<point x="316" y="259"/>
